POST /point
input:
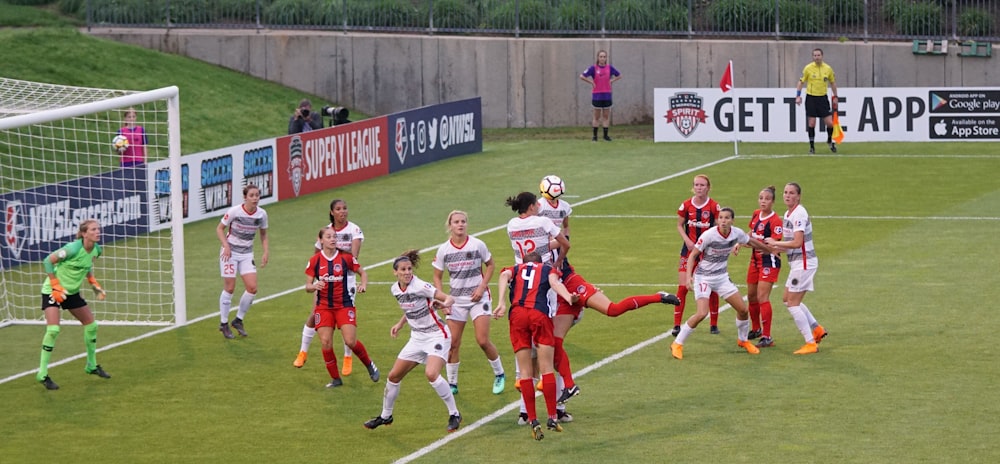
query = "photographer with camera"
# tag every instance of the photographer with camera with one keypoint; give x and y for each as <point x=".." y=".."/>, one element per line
<point x="304" y="119"/>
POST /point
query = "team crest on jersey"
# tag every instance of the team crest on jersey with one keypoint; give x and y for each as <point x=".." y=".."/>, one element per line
<point x="706" y="216"/>
<point x="581" y="289"/>
<point x="685" y="112"/>
<point x="766" y="271"/>
<point x="13" y="229"/>
<point x="337" y="269"/>
<point x="777" y="230"/>
<point x="295" y="165"/>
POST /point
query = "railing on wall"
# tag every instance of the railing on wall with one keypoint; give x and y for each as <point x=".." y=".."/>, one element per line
<point x="977" y="20"/>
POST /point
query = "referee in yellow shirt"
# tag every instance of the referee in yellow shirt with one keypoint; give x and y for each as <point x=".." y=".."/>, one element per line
<point x="816" y="76"/>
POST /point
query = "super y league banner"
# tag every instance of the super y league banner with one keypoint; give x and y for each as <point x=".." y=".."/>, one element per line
<point x="38" y="221"/>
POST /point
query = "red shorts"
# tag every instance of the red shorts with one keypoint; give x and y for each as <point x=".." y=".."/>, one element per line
<point x="578" y="285"/>
<point x="762" y="274"/>
<point x="529" y="324"/>
<point x="682" y="265"/>
<point x="336" y="318"/>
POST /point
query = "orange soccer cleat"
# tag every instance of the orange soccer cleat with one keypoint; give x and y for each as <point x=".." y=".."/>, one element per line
<point x="300" y="359"/>
<point x="746" y="345"/>
<point x="808" y="348"/>
<point x="677" y="350"/>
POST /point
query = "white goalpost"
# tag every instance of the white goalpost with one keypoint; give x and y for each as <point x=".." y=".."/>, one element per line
<point x="58" y="168"/>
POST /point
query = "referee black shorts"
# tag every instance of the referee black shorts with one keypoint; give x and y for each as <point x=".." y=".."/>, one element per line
<point x="817" y="106"/>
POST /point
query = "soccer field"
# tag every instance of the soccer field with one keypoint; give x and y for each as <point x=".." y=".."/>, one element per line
<point x="906" y="275"/>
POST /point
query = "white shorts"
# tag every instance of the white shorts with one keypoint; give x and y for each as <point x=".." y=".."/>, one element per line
<point x="241" y="264"/>
<point x="800" y="280"/>
<point x="422" y="345"/>
<point x="465" y="309"/>
<point x="720" y="283"/>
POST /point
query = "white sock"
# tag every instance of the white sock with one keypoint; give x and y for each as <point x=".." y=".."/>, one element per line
<point x="347" y="351"/>
<point x="389" y="399"/>
<point x="517" y="370"/>
<point x="245" y="301"/>
<point x="560" y="386"/>
<point x="742" y="330"/>
<point x="225" y="305"/>
<point x="497" y="366"/>
<point x="685" y="332"/>
<point x="809" y="315"/>
<point x="802" y="323"/>
<point x="307" y="337"/>
<point x="444" y="391"/>
<point x="451" y="370"/>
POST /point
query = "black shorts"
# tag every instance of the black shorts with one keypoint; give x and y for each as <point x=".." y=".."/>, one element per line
<point x="601" y="104"/>
<point x="817" y="106"/>
<point x="71" y="302"/>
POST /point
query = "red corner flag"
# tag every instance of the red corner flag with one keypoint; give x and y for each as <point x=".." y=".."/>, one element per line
<point x="727" y="78"/>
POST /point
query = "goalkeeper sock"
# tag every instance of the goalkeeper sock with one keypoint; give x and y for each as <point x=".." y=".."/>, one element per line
<point x="630" y="303"/>
<point x="48" y="344"/>
<point x="245" y="301"/>
<point x="90" y="340"/>
<point x="307" y="337"/>
<point x="225" y="305"/>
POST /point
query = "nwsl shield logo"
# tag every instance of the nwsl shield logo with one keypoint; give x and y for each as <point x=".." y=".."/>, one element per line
<point x="685" y="112"/>
<point x="295" y="164"/>
<point x="13" y="228"/>
<point x="401" y="139"/>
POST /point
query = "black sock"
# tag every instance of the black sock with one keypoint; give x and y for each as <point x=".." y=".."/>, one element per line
<point x="812" y="135"/>
<point x="595" y="132"/>
<point x="829" y="134"/>
<point x="605" y="131"/>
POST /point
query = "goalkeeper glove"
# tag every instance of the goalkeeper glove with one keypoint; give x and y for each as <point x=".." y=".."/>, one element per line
<point x="58" y="292"/>
<point x="97" y="287"/>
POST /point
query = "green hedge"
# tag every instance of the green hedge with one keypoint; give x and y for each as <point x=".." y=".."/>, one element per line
<point x="921" y="18"/>
<point x="742" y="15"/>
<point x="800" y="16"/>
<point x="976" y="22"/>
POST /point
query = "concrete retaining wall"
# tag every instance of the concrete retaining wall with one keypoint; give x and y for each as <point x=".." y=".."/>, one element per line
<point x="533" y="82"/>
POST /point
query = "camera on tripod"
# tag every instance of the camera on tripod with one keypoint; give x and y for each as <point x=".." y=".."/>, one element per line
<point x="338" y="114"/>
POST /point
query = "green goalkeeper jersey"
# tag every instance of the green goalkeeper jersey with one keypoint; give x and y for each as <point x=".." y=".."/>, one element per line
<point x="72" y="270"/>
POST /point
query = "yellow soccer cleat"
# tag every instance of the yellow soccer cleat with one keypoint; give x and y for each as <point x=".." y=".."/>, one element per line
<point x="677" y="350"/>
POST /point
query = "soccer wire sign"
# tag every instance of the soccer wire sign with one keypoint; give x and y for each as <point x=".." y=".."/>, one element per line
<point x="57" y="169"/>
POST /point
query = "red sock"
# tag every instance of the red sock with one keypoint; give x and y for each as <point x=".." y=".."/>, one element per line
<point x="549" y="392"/>
<point x="331" y="363"/>
<point x="754" y="316"/>
<point x="713" y="308"/>
<point x="562" y="364"/>
<point x="630" y="303"/>
<point x="359" y="349"/>
<point x="528" y="396"/>
<point x="682" y="292"/>
<point x="765" y="317"/>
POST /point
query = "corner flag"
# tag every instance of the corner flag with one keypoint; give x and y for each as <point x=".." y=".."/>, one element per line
<point x="726" y="84"/>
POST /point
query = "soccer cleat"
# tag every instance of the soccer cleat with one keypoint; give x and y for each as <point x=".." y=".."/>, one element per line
<point x="754" y="334"/>
<point x="594" y="139"/>
<point x="238" y="325"/>
<point x="98" y="371"/>
<point x="819" y="333"/>
<point x="453" y="422"/>
<point x="553" y="425"/>
<point x="714" y="330"/>
<point x="536" y="428"/>
<point x="812" y="150"/>
<point x="454" y="388"/>
<point x="522" y="418"/>
<point x="677" y="350"/>
<point x="224" y="328"/>
<point x="373" y="371"/>
<point x="499" y="383"/>
<point x="564" y="416"/>
<point x="348" y="366"/>
<point x="677" y="330"/>
<point x="377" y="421"/>
<point x="765" y="342"/>
<point x="746" y="345"/>
<point x="49" y="384"/>
<point x="300" y="360"/>
<point x="538" y="386"/>
<point x="335" y="383"/>
<point x="517" y="384"/>
<point x="833" y="147"/>
<point x="808" y="348"/>
<point x="607" y="139"/>
<point x="568" y="393"/>
<point x="667" y="298"/>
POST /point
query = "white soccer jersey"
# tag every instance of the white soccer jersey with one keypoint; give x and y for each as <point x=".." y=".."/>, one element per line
<point x="415" y="302"/>
<point x="803" y="257"/>
<point x="531" y="234"/>
<point x="715" y="250"/>
<point x="345" y="236"/>
<point x="243" y="226"/>
<point x="464" y="265"/>
<point x="557" y="213"/>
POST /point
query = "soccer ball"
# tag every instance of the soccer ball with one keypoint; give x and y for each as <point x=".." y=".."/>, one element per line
<point x="551" y="187"/>
<point x="120" y="142"/>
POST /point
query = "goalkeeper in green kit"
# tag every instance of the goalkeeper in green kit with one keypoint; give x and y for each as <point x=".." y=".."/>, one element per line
<point x="67" y="268"/>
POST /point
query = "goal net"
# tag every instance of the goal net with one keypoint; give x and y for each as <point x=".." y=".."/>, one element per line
<point x="58" y="168"/>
